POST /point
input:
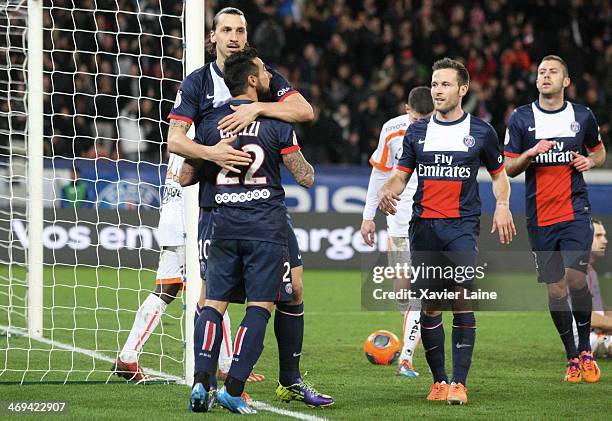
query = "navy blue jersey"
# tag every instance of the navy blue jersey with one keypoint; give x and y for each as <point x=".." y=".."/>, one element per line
<point x="201" y="92"/>
<point x="555" y="192"/>
<point x="446" y="158"/>
<point x="204" y="89"/>
<point x="249" y="205"/>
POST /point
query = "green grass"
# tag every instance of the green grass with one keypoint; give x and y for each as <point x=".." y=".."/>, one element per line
<point x="516" y="373"/>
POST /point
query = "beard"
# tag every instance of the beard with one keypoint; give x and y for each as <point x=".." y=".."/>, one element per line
<point x="263" y="93"/>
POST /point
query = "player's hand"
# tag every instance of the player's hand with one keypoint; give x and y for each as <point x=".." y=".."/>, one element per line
<point x="242" y="116"/>
<point x="387" y="201"/>
<point x="503" y="223"/>
<point x="227" y="157"/>
<point x="581" y="163"/>
<point x="542" y="146"/>
<point x="368" y="232"/>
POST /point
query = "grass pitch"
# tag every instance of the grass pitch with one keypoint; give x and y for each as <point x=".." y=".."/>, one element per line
<point x="517" y="368"/>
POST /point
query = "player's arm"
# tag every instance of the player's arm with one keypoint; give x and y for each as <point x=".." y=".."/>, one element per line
<point x="221" y="154"/>
<point x="389" y="194"/>
<point x="601" y="322"/>
<point x="518" y="164"/>
<point x="301" y="170"/>
<point x="188" y="175"/>
<point x="293" y="109"/>
<point x="368" y="227"/>
<point x="595" y="159"/>
<point x="502" y="217"/>
<point x="592" y="141"/>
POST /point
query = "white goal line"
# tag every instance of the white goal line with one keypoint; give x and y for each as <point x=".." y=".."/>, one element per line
<point x="94" y="354"/>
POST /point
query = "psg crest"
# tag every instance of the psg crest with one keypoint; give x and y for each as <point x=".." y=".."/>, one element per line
<point x="469" y="141"/>
<point x="575" y="127"/>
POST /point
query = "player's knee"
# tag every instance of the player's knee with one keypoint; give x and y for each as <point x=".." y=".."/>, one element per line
<point x="298" y="286"/>
<point x="167" y="292"/>
<point x="220" y="306"/>
<point x="575" y="279"/>
<point x="557" y="290"/>
<point x="268" y="306"/>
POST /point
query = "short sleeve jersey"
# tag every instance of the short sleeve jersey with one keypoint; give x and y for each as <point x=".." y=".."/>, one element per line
<point x="555" y="191"/>
<point x="446" y="157"/>
<point x="251" y="205"/>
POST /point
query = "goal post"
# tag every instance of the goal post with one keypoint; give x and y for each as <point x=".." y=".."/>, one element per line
<point x="194" y="58"/>
<point x="35" y="167"/>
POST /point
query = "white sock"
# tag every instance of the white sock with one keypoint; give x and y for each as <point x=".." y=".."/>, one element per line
<point x="411" y="334"/>
<point x="146" y="320"/>
<point x="225" y="356"/>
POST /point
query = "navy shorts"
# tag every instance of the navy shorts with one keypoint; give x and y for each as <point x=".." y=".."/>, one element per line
<point x="559" y="246"/>
<point x="205" y="232"/>
<point x="443" y="249"/>
<point x="250" y="270"/>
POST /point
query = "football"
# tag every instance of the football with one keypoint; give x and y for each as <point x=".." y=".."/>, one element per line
<point x="382" y="347"/>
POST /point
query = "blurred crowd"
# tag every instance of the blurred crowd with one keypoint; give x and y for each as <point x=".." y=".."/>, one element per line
<point x="112" y="67"/>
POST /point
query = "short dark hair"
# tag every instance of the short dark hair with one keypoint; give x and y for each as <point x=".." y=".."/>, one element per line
<point x="597" y="221"/>
<point x="226" y="11"/>
<point x="419" y="99"/>
<point x="211" y="48"/>
<point x="238" y="67"/>
<point x="560" y="60"/>
<point x="463" y="75"/>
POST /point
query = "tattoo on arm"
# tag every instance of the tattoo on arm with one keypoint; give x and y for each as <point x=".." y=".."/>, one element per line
<point x="300" y="168"/>
<point x="179" y="124"/>
<point x="189" y="172"/>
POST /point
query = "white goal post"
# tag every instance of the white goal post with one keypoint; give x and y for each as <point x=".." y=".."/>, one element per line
<point x="81" y="141"/>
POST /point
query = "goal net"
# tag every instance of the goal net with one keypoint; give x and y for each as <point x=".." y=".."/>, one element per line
<point x="110" y="72"/>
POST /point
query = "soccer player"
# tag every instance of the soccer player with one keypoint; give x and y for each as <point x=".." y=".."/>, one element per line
<point x="383" y="161"/>
<point x="554" y="141"/>
<point x="601" y="319"/>
<point x="201" y="92"/>
<point x="248" y="255"/>
<point x="446" y="152"/>
<point x="170" y="270"/>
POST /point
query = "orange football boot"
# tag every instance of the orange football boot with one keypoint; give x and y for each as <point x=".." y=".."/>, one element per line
<point x="589" y="367"/>
<point x="438" y="391"/>
<point x="129" y="371"/>
<point x="573" y="374"/>
<point x="457" y="394"/>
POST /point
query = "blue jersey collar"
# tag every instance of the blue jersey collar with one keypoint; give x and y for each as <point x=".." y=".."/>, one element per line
<point x="537" y="104"/>
<point x="449" y="123"/>
<point x="240" y="101"/>
<point x="216" y="69"/>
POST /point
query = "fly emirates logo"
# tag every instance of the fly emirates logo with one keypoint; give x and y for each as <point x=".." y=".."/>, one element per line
<point x="555" y="156"/>
<point x="443" y="167"/>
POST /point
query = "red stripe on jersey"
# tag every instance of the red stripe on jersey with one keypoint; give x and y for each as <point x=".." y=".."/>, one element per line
<point x="511" y="154"/>
<point x="405" y="169"/>
<point x="209" y="335"/>
<point x="596" y="147"/>
<point x="554" y="194"/>
<point x="287" y="95"/>
<point x="500" y="169"/>
<point x="179" y="117"/>
<point x="441" y="198"/>
<point x="239" y="338"/>
<point x="290" y="149"/>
